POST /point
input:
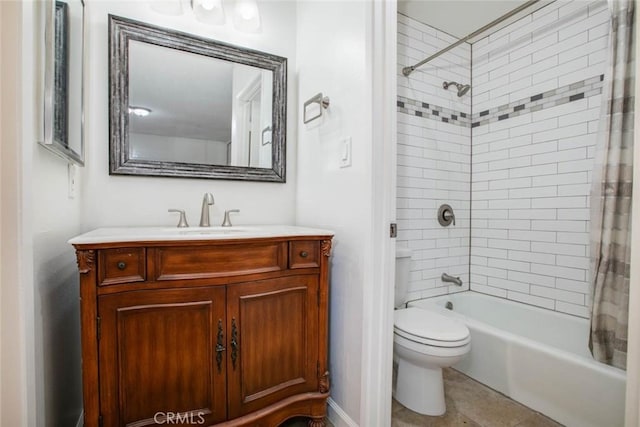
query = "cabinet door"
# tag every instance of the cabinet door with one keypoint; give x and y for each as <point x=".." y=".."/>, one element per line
<point x="157" y="352"/>
<point x="275" y="325"/>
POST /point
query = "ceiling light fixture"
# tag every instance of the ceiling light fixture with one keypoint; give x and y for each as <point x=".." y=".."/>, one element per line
<point x="139" y="111"/>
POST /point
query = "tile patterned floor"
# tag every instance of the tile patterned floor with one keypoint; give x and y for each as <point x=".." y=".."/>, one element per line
<point x="472" y="404"/>
<point x="469" y="404"/>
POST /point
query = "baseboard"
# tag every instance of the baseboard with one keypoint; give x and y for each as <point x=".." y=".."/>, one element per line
<point x="80" y="422"/>
<point x="338" y="416"/>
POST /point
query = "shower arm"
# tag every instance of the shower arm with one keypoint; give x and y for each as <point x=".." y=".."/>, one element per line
<point x="408" y="70"/>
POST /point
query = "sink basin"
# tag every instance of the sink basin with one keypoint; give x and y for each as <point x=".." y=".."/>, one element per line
<point x="211" y="230"/>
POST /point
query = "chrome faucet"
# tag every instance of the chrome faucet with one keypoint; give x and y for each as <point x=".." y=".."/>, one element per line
<point x="207" y="201"/>
<point x="455" y="280"/>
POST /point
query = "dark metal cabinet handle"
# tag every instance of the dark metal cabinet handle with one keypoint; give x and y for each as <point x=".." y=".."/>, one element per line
<point x="122" y="265"/>
<point x="304" y="254"/>
<point x="219" y="347"/>
<point x="234" y="342"/>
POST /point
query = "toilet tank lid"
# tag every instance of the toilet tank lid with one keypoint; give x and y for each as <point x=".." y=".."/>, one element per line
<point x="403" y="252"/>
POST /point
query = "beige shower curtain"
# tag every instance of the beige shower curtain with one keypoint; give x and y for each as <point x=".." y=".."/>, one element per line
<point x="611" y="195"/>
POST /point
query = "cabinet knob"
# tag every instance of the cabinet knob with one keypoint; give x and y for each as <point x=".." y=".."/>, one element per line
<point x="122" y="265"/>
<point x="304" y="254"/>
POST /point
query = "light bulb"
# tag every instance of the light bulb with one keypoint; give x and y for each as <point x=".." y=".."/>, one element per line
<point x="247" y="9"/>
<point x="208" y="4"/>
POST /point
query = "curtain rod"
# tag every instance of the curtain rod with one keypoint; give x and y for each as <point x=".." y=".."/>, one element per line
<point x="408" y="70"/>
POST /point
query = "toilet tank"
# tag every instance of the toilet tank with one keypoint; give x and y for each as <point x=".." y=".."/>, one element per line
<point x="403" y="264"/>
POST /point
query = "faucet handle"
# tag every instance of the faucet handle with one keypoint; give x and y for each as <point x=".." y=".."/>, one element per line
<point x="227" y="219"/>
<point x="183" y="218"/>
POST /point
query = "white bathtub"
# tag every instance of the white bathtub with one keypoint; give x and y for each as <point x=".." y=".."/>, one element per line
<point x="537" y="357"/>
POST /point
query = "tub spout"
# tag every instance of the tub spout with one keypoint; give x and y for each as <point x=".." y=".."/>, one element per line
<point x="456" y="280"/>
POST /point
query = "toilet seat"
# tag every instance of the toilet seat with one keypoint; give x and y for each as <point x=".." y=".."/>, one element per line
<point x="429" y="328"/>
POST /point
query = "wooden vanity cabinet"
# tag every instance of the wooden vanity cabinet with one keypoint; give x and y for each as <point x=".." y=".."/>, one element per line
<point x="218" y="332"/>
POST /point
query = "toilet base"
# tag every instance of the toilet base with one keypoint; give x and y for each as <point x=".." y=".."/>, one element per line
<point x="420" y="389"/>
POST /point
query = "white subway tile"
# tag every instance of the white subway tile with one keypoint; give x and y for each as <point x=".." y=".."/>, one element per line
<point x="573" y="285"/>
<point x="531" y="300"/>
<point x="573" y="261"/>
<point x="557" y="271"/>
<point x="533" y="192"/>
<point x="490" y="290"/>
<point x="559" y="248"/>
<point x="558" y="202"/>
<point x="573" y="309"/>
<point x="574" y="214"/>
<point x="537" y="257"/>
<point x="543" y="147"/>
<point x="537" y="279"/>
<point x="510" y="204"/>
<point x="519" y="245"/>
<point x="560" y="179"/>
<point x="561" y="132"/>
<point x="533" y="236"/>
<point x="532" y="214"/>
<point x="548" y="169"/>
<point x="557" y="294"/>
<point x="500" y="184"/>
<point x="510" y="285"/>
<point x="515" y="163"/>
<point x="576" y="166"/>
<point x="574" y="238"/>
<point x="569" y="226"/>
<point x="509" y="264"/>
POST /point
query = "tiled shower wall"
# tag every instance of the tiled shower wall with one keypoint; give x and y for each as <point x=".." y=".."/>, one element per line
<point x="434" y="148"/>
<point x="537" y="88"/>
<point x="536" y="96"/>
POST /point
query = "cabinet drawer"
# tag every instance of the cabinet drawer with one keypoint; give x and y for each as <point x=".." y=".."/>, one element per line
<point x="178" y="263"/>
<point x="304" y="254"/>
<point x="121" y="265"/>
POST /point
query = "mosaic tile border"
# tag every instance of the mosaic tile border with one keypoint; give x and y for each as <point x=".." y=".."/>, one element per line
<point x="568" y="93"/>
<point x="434" y="112"/>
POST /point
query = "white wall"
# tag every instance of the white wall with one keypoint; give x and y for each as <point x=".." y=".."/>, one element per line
<point x="434" y="158"/>
<point x="55" y="218"/>
<point x="148" y="198"/>
<point x="533" y="158"/>
<point x="332" y="59"/>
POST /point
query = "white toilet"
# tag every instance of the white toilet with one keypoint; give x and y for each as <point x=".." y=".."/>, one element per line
<point x="424" y="342"/>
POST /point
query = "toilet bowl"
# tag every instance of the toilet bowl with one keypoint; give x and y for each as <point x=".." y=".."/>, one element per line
<point x="424" y="342"/>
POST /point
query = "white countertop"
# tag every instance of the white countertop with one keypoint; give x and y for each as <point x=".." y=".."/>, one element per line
<point x="134" y="234"/>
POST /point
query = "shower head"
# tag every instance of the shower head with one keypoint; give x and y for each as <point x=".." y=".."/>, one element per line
<point x="462" y="89"/>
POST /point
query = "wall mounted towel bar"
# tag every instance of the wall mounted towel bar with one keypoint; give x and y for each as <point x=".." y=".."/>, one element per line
<point x="323" y="103"/>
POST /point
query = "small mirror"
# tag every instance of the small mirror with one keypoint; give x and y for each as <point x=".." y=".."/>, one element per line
<point x="190" y="107"/>
<point x="63" y="85"/>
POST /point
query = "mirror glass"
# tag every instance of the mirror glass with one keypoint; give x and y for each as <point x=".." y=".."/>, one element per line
<point x="184" y="106"/>
<point x="209" y="111"/>
<point x="63" y="98"/>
